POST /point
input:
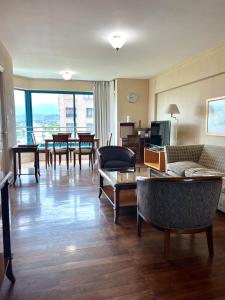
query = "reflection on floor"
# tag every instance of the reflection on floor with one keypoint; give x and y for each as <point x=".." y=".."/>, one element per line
<point x="66" y="246"/>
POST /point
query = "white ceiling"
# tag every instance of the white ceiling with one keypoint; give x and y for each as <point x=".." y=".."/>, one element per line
<point x="46" y="37"/>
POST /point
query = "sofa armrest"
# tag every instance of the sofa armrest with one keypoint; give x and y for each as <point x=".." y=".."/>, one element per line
<point x="183" y="153"/>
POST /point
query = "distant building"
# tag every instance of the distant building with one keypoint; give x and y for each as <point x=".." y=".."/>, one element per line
<point x="84" y="114"/>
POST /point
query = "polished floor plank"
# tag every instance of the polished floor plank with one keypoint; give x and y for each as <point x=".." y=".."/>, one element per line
<point x="66" y="247"/>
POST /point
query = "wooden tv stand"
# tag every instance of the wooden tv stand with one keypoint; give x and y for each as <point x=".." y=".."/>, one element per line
<point x="154" y="159"/>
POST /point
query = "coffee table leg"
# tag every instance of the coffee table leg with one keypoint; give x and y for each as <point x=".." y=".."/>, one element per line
<point x="116" y="205"/>
<point x="100" y="185"/>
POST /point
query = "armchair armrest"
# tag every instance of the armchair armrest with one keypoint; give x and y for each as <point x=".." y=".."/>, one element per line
<point x="183" y="153"/>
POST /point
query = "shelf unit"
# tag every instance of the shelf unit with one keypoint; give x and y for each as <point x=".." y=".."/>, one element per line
<point x="154" y="159"/>
<point x="6" y="256"/>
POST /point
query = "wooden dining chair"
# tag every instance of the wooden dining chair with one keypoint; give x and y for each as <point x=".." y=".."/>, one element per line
<point x="86" y="147"/>
<point x="60" y="147"/>
<point x="72" y="146"/>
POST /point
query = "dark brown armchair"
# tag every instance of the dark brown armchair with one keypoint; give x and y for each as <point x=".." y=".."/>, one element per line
<point x="115" y="158"/>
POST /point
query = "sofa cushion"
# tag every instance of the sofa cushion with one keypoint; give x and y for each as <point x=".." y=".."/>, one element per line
<point x="179" y="167"/>
<point x="203" y="172"/>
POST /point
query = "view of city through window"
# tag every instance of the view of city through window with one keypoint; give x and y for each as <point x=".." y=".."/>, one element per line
<point x="52" y="113"/>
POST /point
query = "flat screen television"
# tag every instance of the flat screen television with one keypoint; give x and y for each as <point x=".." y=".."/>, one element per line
<point x="160" y="133"/>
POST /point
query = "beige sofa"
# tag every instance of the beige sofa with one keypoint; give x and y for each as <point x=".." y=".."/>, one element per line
<point x="197" y="160"/>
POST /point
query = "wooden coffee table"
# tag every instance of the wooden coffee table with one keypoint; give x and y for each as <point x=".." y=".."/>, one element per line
<point x="120" y="188"/>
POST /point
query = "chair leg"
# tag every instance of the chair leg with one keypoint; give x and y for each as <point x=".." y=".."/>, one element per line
<point x="209" y="235"/>
<point x="60" y="159"/>
<point x="74" y="159"/>
<point x="80" y="161"/>
<point x="166" y="243"/>
<point x="67" y="160"/>
<point x="139" y="224"/>
<point x="51" y="158"/>
<point x="54" y="161"/>
<point x="91" y="159"/>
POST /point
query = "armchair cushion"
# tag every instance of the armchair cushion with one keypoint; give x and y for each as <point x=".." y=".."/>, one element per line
<point x="114" y="164"/>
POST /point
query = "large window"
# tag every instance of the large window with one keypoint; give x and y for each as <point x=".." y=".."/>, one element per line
<point x="46" y="113"/>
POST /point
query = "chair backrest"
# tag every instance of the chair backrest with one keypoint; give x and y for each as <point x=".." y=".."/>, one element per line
<point x="86" y="140"/>
<point x="60" y="140"/>
<point x="81" y="133"/>
<point x="109" y="140"/>
<point x="116" y="157"/>
<point x="65" y="133"/>
<point x="33" y="138"/>
<point x="178" y="202"/>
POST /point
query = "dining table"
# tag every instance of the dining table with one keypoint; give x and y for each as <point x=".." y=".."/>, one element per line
<point x="70" y="140"/>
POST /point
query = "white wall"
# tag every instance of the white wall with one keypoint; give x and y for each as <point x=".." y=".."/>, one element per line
<point x="189" y="85"/>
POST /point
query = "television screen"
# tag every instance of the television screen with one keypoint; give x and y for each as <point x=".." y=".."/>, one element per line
<point x="160" y="133"/>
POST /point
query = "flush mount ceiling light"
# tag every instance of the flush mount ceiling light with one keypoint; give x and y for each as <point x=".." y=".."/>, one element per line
<point x="67" y="75"/>
<point x="117" y="41"/>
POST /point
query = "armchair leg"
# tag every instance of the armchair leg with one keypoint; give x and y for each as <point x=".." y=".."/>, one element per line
<point x="139" y="224"/>
<point x="166" y="243"/>
<point x="209" y="234"/>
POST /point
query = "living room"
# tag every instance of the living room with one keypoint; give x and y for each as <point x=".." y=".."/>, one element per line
<point x="65" y="243"/>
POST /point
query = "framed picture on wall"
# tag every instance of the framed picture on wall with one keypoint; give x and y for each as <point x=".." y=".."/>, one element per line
<point x="215" y="116"/>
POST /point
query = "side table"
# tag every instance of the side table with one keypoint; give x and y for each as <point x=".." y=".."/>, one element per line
<point x="17" y="150"/>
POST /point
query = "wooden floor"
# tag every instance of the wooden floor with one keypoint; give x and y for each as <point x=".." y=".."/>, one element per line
<point x="66" y="246"/>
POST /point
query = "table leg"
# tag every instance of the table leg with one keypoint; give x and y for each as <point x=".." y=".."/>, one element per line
<point x="19" y="162"/>
<point x="36" y="165"/>
<point x="116" y="205"/>
<point x="38" y="162"/>
<point x="100" y="185"/>
<point x="6" y="231"/>
<point x="46" y="155"/>
<point x="14" y="167"/>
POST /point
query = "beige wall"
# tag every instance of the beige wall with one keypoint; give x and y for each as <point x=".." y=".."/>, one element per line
<point x="7" y="101"/>
<point x="189" y="85"/>
<point x="54" y="85"/>
<point x="138" y="110"/>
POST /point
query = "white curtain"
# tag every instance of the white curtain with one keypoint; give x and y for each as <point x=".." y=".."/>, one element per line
<point x="102" y="110"/>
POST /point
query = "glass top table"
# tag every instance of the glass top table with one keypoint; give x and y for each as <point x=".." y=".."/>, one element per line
<point x="120" y="187"/>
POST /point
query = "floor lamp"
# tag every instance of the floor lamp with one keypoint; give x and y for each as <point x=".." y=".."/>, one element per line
<point x="173" y="110"/>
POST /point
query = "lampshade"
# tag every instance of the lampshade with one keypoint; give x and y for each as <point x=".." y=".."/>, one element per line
<point x="117" y="41"/>
<point x="172" y="110"/>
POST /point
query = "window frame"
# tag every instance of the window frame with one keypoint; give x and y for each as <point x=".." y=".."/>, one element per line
<point x="29" y="110"/>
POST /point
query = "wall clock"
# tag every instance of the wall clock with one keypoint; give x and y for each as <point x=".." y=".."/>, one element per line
<point x="132" y="97"/>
